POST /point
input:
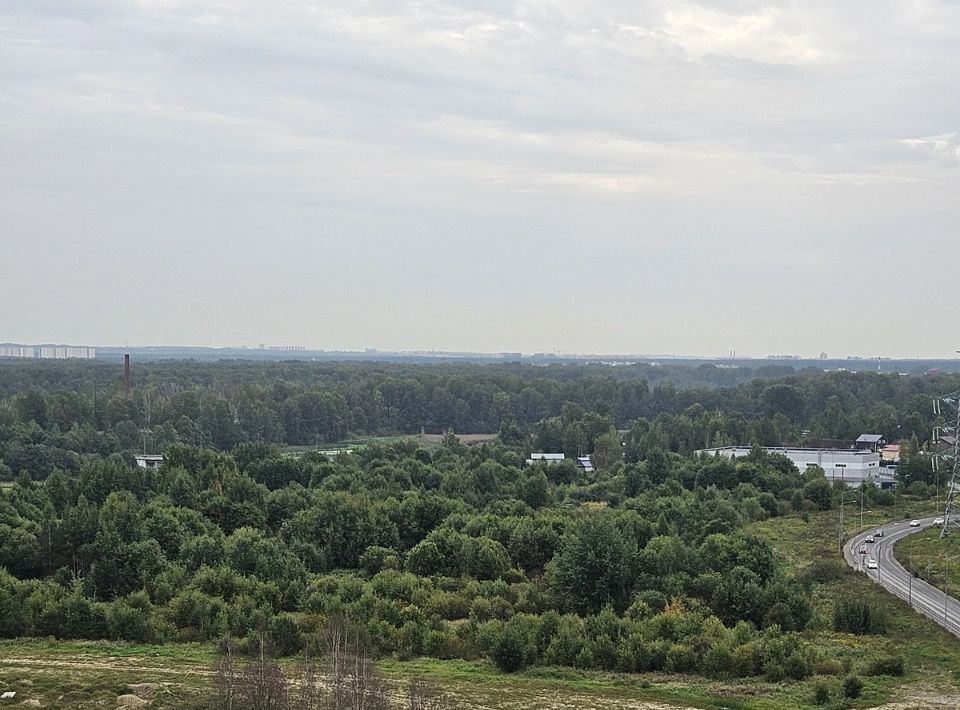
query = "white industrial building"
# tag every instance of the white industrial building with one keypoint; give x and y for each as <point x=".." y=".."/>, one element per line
<point x="850" y="466"/>
<point x="539" y="457"/>
<point x="17" y="351"/>
<point x="48" y="352"/>
<point x="66" y="352"/>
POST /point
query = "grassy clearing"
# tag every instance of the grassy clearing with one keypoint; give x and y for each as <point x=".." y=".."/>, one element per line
<point x="91" y="674"/>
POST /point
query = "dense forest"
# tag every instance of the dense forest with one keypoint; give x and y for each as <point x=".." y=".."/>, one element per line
<point x="448" y="551"/>
<point x="52" y="415"/>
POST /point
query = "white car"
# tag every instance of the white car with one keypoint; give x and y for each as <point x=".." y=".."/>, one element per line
<point x="878" y="533"/>
<point x="914" y="523"/>
<point x="871" y="564"/>
<point x="938" y="521"/>
<point x="870" y="539"/>
<point x="863" y="550"/>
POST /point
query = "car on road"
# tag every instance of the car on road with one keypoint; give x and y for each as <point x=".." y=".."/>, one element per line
<point x="914" y="523"/>
<point x="870" y="539"/>
<point x="878" y="533"/>
<point x="938" y="521"/>
<point x="871" y="564"/>
<point x="863" y="550"/>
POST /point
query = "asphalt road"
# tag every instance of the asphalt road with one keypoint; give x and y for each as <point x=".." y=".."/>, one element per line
<point x="928" y="600"/>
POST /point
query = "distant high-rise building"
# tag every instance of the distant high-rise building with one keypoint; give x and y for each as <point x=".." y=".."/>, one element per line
<point x="48" y="352"/>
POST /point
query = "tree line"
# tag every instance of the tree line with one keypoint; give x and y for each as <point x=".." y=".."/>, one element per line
<point x="56" y="415"/>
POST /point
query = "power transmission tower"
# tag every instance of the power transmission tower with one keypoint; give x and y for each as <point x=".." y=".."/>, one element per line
<point x="947" y="437"/>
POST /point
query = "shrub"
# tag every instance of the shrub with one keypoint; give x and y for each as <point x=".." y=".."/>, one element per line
<point x="376" y="559"/>
<point x="826" y="570"/>
<point x="857" y="616"/>
<point x="718" y="663"/>
<point x="821" y="693"/>
<point x="886" y="665"/>
<point x="829" y="666"/>
<point x="746" y="660"/>
<point x="509" y="649"/>
<point x="681" y="659"/>
<point x="797" y="666"/>
<point x="852" y="687"/>
<point x="285" y="635"/>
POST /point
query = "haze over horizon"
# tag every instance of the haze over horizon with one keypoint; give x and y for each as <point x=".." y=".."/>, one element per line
<point x="602" y="177"/>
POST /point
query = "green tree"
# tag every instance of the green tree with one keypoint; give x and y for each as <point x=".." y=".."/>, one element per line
<point x="593" y="567"/>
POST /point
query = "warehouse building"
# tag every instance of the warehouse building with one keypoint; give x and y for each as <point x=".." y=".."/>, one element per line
<point x="849" y="466"/>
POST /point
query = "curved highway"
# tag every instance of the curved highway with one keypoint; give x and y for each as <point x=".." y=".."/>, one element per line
<point x="889" y="574"/>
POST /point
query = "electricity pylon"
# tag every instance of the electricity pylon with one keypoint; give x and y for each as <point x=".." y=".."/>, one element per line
<point x="947" y="437"/>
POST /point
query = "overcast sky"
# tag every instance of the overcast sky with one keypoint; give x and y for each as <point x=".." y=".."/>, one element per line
<point x="593" y="176"/>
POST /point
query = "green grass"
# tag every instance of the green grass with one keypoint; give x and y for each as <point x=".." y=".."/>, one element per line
<point x="936" y="561"/>
<point x="355" y="444"/>
<point x="76" y="674"/>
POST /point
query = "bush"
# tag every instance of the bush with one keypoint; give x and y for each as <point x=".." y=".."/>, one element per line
<point x="747" y="660"/>
<point x="376" y="559"/>
<point x="826" y="570"/>
<point x="857" y="616"/>
<point x="681" y="659"/>
<point x="285" y="635"/>
<point x="852" y="687"/>
<point x="718" y="663"/>
<point x="821" y="693"/>
<point x="886" y="665"/>
<point x="797" y="666"/>
<point x="509" y="649"/>
<point x="829" y="666"/>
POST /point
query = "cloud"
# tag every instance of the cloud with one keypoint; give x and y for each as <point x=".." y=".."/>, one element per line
<point x="763" y="36"/>
<point x="944" y="147"/>
<point x="391" y="152"/>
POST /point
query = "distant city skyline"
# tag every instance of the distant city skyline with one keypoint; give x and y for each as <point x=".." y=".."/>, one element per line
<point x="604" y="176"/>
<point x="371" y="350"/>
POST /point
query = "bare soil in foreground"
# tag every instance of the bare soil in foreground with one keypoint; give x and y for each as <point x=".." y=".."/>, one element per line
<point x="74" y="680"/>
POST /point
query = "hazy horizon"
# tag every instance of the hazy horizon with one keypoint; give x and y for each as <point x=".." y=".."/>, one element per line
<point x="373" y="349"/>
<point x="603" y="177"/>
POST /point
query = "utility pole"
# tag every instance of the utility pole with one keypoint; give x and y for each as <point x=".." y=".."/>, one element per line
<point x="861" y="505"/>
<point x="947" y="435"/>
<point x="840" y="526"/>
<point x="946" y="585"/>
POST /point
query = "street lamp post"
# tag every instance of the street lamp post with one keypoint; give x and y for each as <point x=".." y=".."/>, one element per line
<point x="946" y="584"/>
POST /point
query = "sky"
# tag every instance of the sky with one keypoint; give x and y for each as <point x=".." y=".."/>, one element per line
<point x="585" y="176"/>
